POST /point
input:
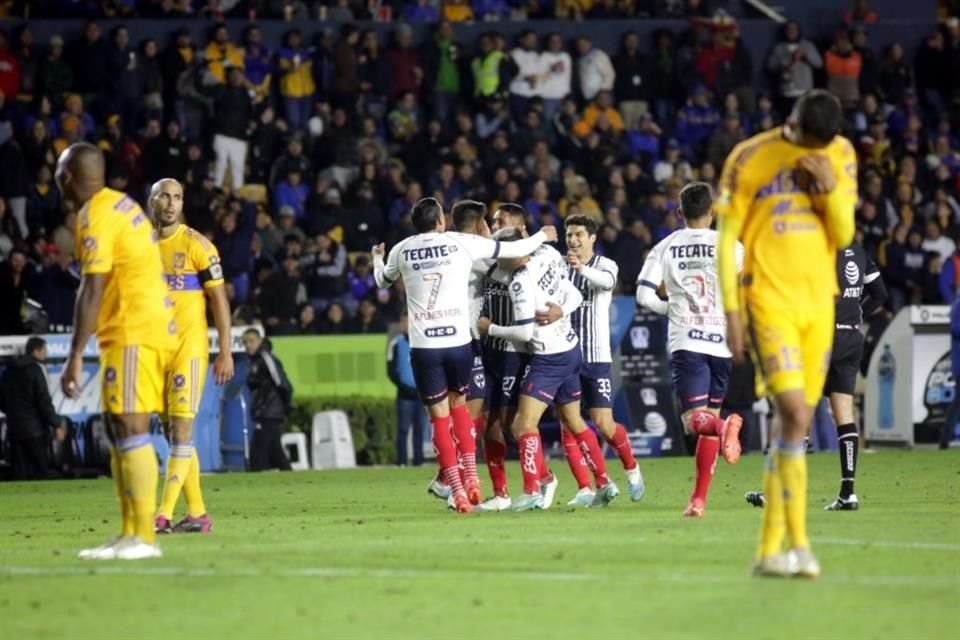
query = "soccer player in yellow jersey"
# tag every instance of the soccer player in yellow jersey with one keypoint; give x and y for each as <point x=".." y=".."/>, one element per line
<point x="789" y="196"/>
<point x="191" y="266"/>
<point x="123" y="300"/>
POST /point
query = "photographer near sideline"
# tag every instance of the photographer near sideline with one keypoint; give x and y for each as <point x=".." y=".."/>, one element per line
<point x="270" y="396"/>
<point x="32" y="423"/>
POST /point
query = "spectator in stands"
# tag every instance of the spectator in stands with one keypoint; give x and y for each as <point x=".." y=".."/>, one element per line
<point x="293" y="158"/>
<point x="793" y="62"/>
<point x="326" y="274"/>
<point x="594" y="69"/>
<point x="291" y="192"/>
<point x="403" y="120"/>
<point x="24" y="51"/>
<point x="726" y="66"/>
<point x="32" y="422"/>
<point x="55" y="288"/>
<point x="696" y="121"/>
<point x="843" y="66"/>
<point x="307" y="322"/>
<point x="404" y="67"/>
<point x="15" y="280"/>
<point x="600" y="110"/>
<point x="281" y="297"/>
<point x="124" y="80"/>
<point x="165" y="155"/>
<point x="457" y="11"/>
<point x="257" y="65"/>
<point x="491" y="10"/>
<point x="43" y="201"/>
<point x="935" y="242"/>
<point x="722" y="141"/>
<point x="870" y="68"/>
<point x="270" y="397"/>
<point x="334" y="319"/>
<point x="629" y="253"/>
<point x="896" y="76"/>
<point x="526" y="82"/>
<point x="367" y="320"/>
<point x="557" y="76"/>
<point x="232" y="127"/>
<point x="930" y="61"/>
<point x="233" y="240"/>
<point x="410" y="413"/>
<point x="55" y="74"/>
<point x="442" y="60"/>
<point x="64" y="234"/>
<point x="629" y="88"/>
<point x="296" y="80"/>
<point x="578" y="194"/>
<point x="220" y="54"/>
<point x="421" y="11"/>
<point x="904" y="262"/>
<point x="860" y="11"/>
<point x="346" y="79"/>
<point x="373" y="75"/>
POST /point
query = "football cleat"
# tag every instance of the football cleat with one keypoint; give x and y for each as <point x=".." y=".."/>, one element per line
<point x="528" y="502"/>
<point x="162" y="525"/>
<point x="474" y="495"/>
<point x="730" y="438"/>
<point x="134" y="548"/>
<point x="189" y="524"/>
<point x="755" y="498"/>
<point x="458" y="502"/>
<point x="696" y="508"/>
<point x="106" y="551"/>
<point x="438" y="489"/>
<point x="844" y="504"/>
<point x="496" y="503"/>
<point x="779" y="565"/>
<point x="584" y="498"/>
<point x="605" y="495"/>
<point x="548" y="490"/>
<point x="635" y="486"/>
<point x="804" y="564"/>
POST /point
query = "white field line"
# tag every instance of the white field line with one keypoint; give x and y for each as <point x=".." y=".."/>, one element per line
<point x="97" y="570"/>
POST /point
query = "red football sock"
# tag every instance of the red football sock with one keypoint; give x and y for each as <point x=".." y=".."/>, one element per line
<point x="496" y="453"/>
<point x="480" y="425"/>
<point x="590" y="447"/>
<point x="621" y="444"/>
<point x="707" y="449"/>
<point x="578" y="464"/>
<point x="530" y="454"/>
<point x="704" y="423"/>
<point x="465" y="437"/>
<point x="446" y="452"/>
<point x="542" y="464"/>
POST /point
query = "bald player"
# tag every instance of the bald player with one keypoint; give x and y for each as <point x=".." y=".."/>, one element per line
<point x="191" y="267"/>
<point x="123" y="300"/>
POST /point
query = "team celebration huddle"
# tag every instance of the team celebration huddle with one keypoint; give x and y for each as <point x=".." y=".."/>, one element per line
<point x="503" y="327"/>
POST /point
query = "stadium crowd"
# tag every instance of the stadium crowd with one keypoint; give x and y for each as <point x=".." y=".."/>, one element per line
<point x="298" y="157"/>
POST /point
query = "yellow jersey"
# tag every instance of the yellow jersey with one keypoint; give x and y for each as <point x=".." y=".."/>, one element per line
<point x="115" y="238"/>
<point x="790" y="233"/>
<point x="191" y="265"/>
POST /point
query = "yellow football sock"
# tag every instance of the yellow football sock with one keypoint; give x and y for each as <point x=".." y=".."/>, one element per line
<point x="178" y="469"/>
<point x="126" y="506"/>
<point x="773" y="524"/>
<point x="140" y="477"/>
<point x="191" y="488"/>
<point x="792" y="465"/>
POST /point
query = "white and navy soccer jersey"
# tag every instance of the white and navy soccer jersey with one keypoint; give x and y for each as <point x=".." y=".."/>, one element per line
<point x="553" y="374"/>
<point x="436" y="269"/>
<point x="591" y="321"/>
<point x="700" y="361"/>
<point x="505" y="360"/>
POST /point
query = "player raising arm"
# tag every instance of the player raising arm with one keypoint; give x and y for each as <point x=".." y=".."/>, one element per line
<point x="435" y="266"/>
<point x="123" y="299"/>
<point x="191" y="266"/>
<point x="789" y="195"/>
<point x="700" y="361"/>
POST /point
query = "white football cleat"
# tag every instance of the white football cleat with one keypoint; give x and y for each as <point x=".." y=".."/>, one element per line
<point x="136" y="549"/>
<point x="496" y="503"/>
<point x="779" y="565"/>
<point x="605" y="495"/>
<point x="584" y="498"/>
<point x="548" y="490"/>
<point x="438" y="490"/>
<point x="635" y="486"/>
<point x="804" y="564"/>
<point x="528" y="502"/>
<point x="106" y="551"/>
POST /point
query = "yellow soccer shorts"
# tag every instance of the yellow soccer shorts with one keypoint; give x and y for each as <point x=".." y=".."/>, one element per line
<point x="133" y="378"/>
<point x="185" y="380"/>
<point x="792" y="348"/>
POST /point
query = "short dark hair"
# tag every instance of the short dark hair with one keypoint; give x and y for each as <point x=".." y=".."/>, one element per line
<point x="467" y="213"/>
<point x="586" y="222"/>
<point x="253" y="332"/>
<point x="34" y="344"/>
<point x="513" y="210"/>
<point x="696" y="200"/>
<point x="819" y="116"/>
<point x="425" y="214"/>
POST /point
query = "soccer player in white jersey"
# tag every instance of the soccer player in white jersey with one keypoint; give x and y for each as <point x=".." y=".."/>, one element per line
<point x="553" y="373"/>
<point x="595" y="277"/>
<point x="700" y="362"/>
<point x="435" y="267"/>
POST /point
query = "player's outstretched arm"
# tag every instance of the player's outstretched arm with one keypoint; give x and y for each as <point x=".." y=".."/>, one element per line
<point x="386" y="274"/>
<point x="604" y="279"/>
<point x="220" y="306"/>
<point x="85" y="312"/>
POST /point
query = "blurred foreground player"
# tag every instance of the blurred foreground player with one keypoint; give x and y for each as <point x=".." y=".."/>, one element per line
<point x="191" y="266"/>
<point x="700" y="362"/>
<point x="123" y="299"/>
<point x="789" y="195"/>
<point x="435" y="266"/>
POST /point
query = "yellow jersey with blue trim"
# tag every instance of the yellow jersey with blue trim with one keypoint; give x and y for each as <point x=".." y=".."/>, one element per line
<point x="115" y="239"/>
<point x="191" y="264"/>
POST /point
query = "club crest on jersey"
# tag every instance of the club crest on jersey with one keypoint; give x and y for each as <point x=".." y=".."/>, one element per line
<point x="179" y="261"/>
<point x="179" y="380"/>
<point x="110" y="374"/>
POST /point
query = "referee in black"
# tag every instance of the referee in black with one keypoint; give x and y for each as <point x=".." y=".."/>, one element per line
<point x="862" y="292"/>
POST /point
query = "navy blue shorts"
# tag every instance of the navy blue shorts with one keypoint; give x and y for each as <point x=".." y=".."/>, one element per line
<point x="478" y="375"/>
<point x="507" y="369"/>
<point x="597" y="385"/>
<point x="554" y="378"/>
<point x="699" y="380"/>
<point x="440" y="371"/>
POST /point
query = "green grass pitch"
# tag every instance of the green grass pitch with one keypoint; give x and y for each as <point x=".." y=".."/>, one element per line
<point x="366" y="554"/>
